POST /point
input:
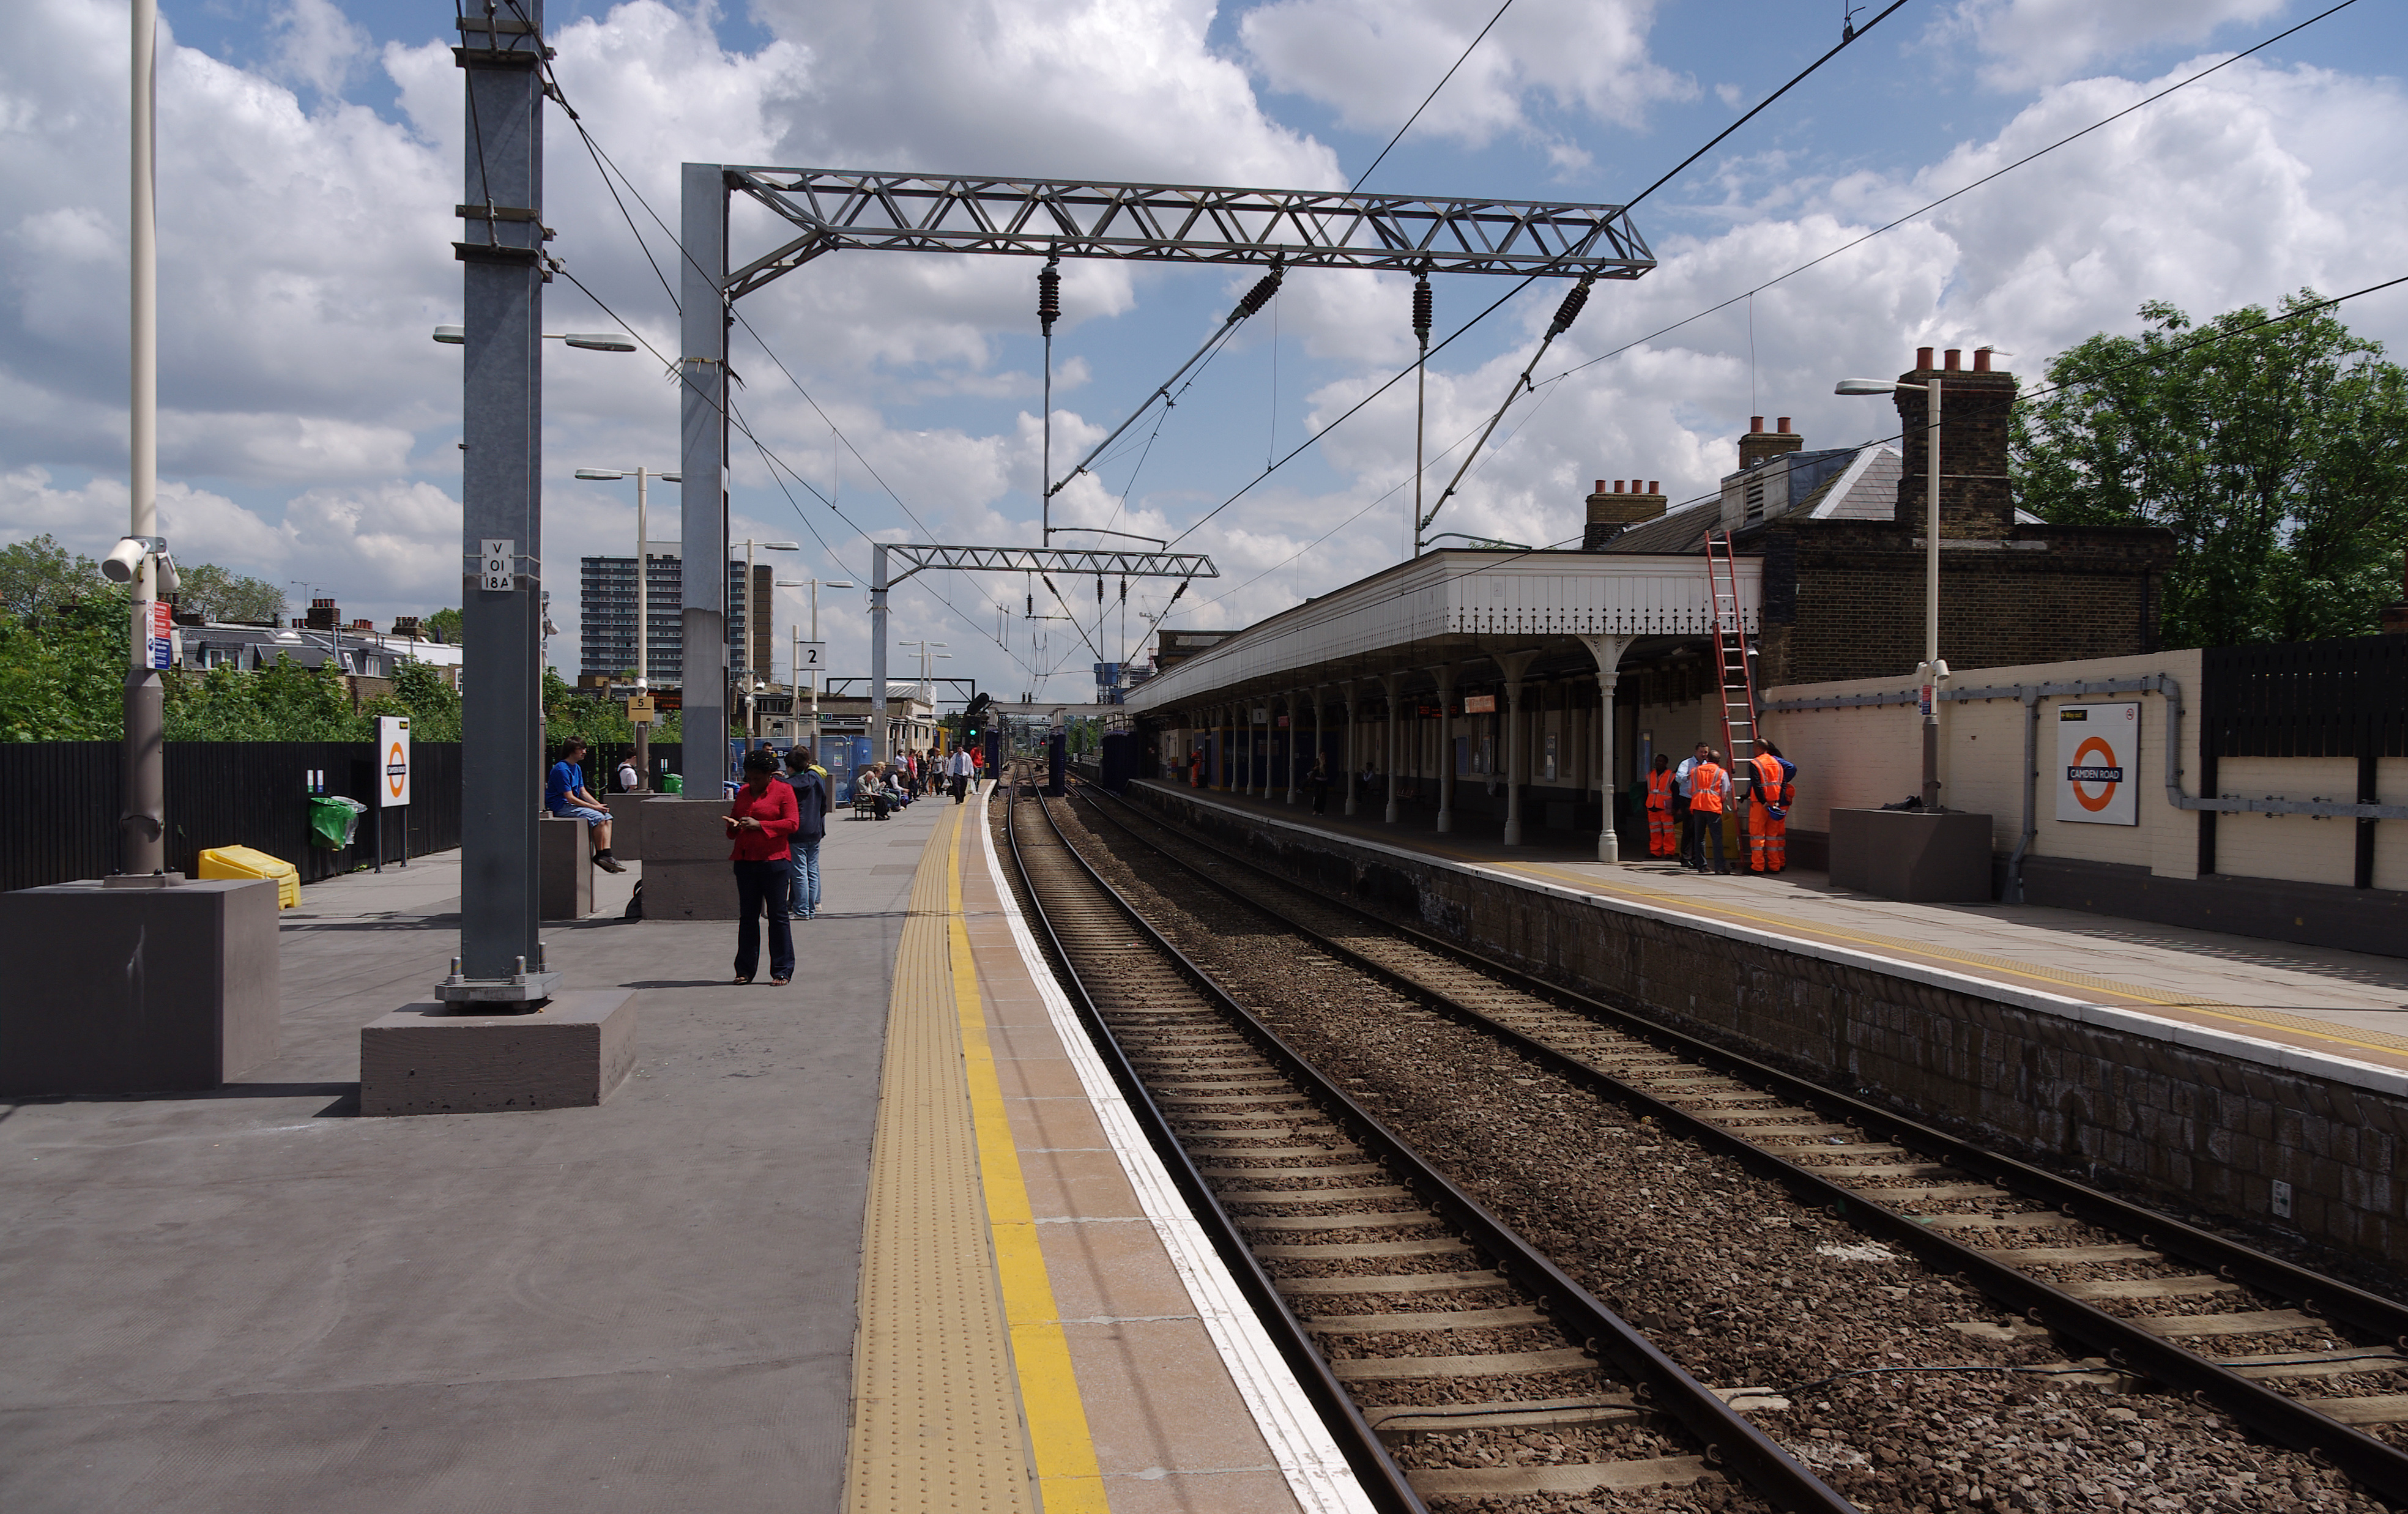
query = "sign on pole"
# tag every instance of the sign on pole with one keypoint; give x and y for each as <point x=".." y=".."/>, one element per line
<point x="162" y="633"/>
<point x="641" y="709"/>
<point x="2097" y="764"/>
<point x="809" y="657"/>
<point x="393" y="760"/>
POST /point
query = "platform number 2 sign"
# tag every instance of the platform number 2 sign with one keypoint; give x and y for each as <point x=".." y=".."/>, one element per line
<point x="2099" y="759"/>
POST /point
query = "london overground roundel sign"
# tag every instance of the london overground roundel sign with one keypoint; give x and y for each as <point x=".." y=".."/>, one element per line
<point x="2097" y="764"/>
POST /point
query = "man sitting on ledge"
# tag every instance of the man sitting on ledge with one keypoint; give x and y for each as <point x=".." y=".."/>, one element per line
<point x="565" y="795"/>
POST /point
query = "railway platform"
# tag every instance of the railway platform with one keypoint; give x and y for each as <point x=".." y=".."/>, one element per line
<point x="881" y="1240"/>
<point x="2254" y="1080"/>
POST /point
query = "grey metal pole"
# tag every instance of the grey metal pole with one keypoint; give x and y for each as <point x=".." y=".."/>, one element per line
<point x="751" y="639"/>
<point x="815" y="672"/>
<point x="878" y="652"/>
<point x="142" y="816"/>
<point x="501" y="757"/>
<point x="643" y="630"/>
<point x="702" y="467"/>
<point x="1931" y="603"/>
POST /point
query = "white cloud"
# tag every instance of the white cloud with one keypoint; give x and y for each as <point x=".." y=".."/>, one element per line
<point x="318" y="45"/>
<point x="2029" y="42"/>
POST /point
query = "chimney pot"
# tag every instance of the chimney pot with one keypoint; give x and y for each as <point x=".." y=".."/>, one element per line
<point x="1755" y="423"/>
<point x="1953" y="354"/>
<point x="1980" y="359"/>
<point x="1923" y="358"/>
<point x="1599" y="489"/>
<point x="1784" y="427"/>
<point x="1617" y="486"/>
<point x="1654" y="487"/>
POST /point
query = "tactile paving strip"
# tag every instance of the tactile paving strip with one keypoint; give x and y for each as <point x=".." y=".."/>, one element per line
<point x="935" y="1422"/>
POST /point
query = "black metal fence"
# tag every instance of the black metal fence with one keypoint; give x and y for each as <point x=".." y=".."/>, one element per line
<point x="2342" y="698"/>
<point x="60" y="799"/>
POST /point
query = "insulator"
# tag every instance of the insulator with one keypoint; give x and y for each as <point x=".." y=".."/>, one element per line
<point x="1123" y="591"/>
<point x="1570" y="310"/>
<point x="1049" y="295"/>
<point x="1099" y="588"/>
<point x="1258" y="296"/>
<point x="1032" y="607"/>
<point x="1422" y="308"/>
<point x="1176" y="593"/>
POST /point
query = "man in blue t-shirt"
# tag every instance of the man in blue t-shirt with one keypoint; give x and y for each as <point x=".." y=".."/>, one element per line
<point x="565" y="795"/>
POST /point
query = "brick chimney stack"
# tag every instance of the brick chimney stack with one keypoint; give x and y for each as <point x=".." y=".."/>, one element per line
<point x="324" y="616"/>
<point x="1759" y="444"/>
<point x="1614" y="509"/>
<point x="1976" y="502"/>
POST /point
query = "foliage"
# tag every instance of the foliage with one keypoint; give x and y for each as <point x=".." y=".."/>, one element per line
<point x="421" y="692"/>
<point x="39" y="577"/>
<point x="2277" y="456"/>
<point x="445" y="625"/>
<point x="567" y="713"/>
<point x="63" y="674"/>
<point x="283" y="703"/>
<point x="216" y="593"/>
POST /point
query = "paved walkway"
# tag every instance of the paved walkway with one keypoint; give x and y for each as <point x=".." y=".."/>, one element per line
<point x="257" y="1301"/>
<point x="2346" y="1004"/>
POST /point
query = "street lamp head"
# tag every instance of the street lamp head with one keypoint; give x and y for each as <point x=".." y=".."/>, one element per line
<point x="451" y="336"/>
<point x="602" y="475"/>
<point x="670" y="478"/>
<point x="600" y="341"/>
<point x="1870" y="386"/>
<point x="836" y="583"/>
<point x="781" y="546"/>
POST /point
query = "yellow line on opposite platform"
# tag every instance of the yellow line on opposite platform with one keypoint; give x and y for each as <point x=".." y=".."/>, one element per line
<point x="1069" y="1479"/>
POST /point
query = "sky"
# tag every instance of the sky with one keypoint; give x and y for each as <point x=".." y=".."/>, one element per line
<point x="311" y="152"/>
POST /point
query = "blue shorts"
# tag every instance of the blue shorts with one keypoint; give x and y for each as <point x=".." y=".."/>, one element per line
<point x="591" y="817"/>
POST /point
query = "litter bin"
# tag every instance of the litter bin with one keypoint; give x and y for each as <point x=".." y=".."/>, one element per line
<point x="334" y="819"/>
<point x="246" y="861"/>
<point x="672" y="783"/>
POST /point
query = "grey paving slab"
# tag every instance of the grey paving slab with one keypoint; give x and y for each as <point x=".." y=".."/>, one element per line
<point x="260" y="1301"/>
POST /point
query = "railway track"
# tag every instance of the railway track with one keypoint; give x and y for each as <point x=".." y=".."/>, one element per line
<point x="1452" y="1359"/>
<point x="2266" y="1342"/>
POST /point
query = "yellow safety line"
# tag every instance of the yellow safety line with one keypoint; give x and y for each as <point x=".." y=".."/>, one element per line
<point x="2005" y="966"/>
<point x="1069" y="1479"/>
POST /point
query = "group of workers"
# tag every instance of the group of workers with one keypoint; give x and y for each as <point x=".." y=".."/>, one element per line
<point x="1685" y="806"/>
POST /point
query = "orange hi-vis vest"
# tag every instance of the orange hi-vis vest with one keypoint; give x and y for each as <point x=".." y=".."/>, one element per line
<point x="1706" y="782"/>
<point x="1659" y="789"/>
<point x="1769" y="790"/>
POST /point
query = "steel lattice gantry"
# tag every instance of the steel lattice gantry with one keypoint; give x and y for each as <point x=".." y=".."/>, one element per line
<point x="840" y="210"/>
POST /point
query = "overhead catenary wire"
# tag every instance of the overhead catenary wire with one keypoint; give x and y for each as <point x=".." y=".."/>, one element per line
<point x="1566" y="313"/>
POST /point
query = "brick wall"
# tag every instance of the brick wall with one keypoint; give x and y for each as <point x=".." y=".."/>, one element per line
<point x="2186" y="1124"/>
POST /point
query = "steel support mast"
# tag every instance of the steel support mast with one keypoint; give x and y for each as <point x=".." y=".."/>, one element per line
<point x="502" y="275"/>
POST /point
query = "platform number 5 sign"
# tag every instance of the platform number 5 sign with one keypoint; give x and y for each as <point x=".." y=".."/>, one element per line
<point x="500" y="564"/>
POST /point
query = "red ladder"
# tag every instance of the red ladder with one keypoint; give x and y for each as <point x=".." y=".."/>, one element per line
<point x="1734" y="669"/>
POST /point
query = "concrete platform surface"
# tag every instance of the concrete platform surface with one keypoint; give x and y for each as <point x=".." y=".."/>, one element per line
<point x="259" y="1301"/>
<point x="2346" y="1005"/>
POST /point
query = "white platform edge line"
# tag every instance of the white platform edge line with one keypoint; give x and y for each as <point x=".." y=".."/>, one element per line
<point x="2325" y="1065"/>
<point x="1309" y="1458"/>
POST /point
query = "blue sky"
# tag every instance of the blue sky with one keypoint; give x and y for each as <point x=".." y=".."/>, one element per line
<point x="311" y="155"/>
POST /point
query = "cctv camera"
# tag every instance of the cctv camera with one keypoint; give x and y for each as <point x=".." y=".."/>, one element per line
<point x="169" y="579"/>
<point x="125" y="559"/>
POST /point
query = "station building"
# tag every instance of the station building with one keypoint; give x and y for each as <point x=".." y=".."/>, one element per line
<point x="1515" y="690"/>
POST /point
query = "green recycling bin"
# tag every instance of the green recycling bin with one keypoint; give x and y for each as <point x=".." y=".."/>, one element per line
<point x="334" y="819"/>
<point x="672" y="783"/>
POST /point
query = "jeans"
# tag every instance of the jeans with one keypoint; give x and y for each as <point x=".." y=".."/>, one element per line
<point x="803" y="857"/>
<point x="761" y="886"/>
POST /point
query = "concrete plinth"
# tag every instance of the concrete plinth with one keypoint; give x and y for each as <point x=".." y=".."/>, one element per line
<point x="627" y="827"/>
<point x="686" y="876"/>
<point x="132" y="990"/>
<point x="422" y="1059"/>
<point x="564" y="868"/>
<point x="1909" y="855"/>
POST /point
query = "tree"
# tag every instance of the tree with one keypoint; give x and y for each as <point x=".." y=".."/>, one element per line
<point x="62" y="677"/>
<point x="567" y="713"/>
<point x="2275" y="451"/>
<point x="421" y="692"/>
<point x="444" y="625"/>
<point x="283" y="703"/>
<point x="37" y="576"/>
<point x="216" y="593"/>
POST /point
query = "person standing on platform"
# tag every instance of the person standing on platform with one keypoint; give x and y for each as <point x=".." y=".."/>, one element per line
<point x="760" y="817"/>
<point x="1768" y="810"/>
<point x="1660" y="831"/>
<point x="1319" y="779"/>
<point x="810" y="785"/>
<point x="1709" y="794"/>
<point x="629" y="779"/>
<point x="1692" y="845"/>
<point x="959" y="767"/>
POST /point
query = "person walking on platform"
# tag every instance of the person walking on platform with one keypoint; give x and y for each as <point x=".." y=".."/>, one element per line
<point x="1692" y="845"/>
<point x="1660" y="832"/>
<point x="760" y="816"/>
<point x="1774" y="790"/>
<point x="1709" y="791"/>
<point x="959" y="768"/>
<point x="810" y="786"/>
<point x="1319" y="779"/>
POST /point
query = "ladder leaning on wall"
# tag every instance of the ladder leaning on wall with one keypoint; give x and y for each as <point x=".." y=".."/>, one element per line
<point x="1734" y="671"/>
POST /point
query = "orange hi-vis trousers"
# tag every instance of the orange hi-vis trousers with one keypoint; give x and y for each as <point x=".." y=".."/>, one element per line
<point x="1663" y="836"/>
<point x="1767" y="839"/>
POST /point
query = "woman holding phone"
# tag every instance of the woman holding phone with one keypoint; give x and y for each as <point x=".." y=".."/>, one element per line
<point x="761" y="815"/>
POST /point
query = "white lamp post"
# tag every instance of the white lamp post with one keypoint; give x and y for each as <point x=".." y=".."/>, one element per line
<point x="751" y="674"/>
<point x="643" y="595"/>
<point x="1933" y="670"/>
<point x="816" y="585"/>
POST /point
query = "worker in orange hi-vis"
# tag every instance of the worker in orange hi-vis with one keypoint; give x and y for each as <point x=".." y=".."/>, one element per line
<point x="1709" y="794"/>
<point x="1663" y="836"/>
<point x="1768" y="810"/>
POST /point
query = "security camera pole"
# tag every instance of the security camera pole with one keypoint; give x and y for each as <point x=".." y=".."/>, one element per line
<point x="143" y="821"/>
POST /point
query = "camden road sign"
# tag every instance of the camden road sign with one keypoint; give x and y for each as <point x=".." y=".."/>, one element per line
<point x="2098" y="764"/>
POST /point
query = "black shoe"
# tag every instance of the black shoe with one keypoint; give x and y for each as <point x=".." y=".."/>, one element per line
<point x="608" y="865"/>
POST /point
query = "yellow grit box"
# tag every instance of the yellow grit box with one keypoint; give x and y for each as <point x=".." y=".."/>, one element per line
<point x="247" y="861"/>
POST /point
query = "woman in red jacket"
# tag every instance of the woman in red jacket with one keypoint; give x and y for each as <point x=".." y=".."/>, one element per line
<point x="761" y="815"/>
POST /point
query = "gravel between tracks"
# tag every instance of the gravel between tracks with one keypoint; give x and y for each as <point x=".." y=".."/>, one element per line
<point x="1728" y="1274"/>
